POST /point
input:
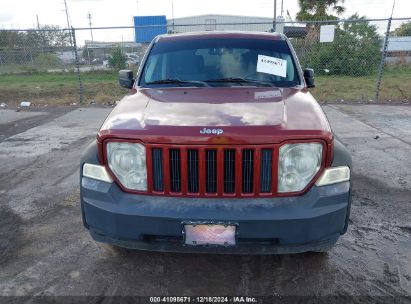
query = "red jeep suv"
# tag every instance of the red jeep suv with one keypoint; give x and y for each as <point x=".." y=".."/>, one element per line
<point x="219" y="148"/>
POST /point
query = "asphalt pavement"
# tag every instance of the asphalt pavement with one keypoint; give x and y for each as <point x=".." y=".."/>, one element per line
<point x="44" y="249"/>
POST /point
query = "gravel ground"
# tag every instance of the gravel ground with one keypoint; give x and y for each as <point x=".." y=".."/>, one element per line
<point x="44" y="249"/>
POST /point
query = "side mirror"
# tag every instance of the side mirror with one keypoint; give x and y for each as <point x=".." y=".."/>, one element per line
<point x="309" y="78"/>
<point x="126" y="79"/>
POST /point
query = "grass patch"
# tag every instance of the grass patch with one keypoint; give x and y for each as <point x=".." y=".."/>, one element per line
<point x="60" y="88"/>
<point x="102" y="86"/>
<point x="394" y="87"/>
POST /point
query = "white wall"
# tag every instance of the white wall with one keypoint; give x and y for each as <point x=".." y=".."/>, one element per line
<point x="213" y="22"/>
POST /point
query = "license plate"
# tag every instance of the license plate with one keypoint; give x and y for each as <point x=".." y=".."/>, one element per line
<point x="204" y="234"/>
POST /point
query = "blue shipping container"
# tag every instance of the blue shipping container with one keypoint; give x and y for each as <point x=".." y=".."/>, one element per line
<point x="146" y="33"/>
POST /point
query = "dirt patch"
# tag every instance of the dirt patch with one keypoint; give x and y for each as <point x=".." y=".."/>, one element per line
<point x="10" y="235"/>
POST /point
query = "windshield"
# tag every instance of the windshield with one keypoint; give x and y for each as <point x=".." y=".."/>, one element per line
<point x="220" y="62"/>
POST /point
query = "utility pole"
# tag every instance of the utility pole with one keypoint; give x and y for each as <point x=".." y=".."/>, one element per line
<point x="92" y="39"/>
<point x="38" y="23"/>
<point x="282" y="7"/>
<point x="172" y="13"/>
<point x="68" y="22"/>
<point x="275" y="15"/>
<point x="89" y="23"/>
<point x="42" y="34"/>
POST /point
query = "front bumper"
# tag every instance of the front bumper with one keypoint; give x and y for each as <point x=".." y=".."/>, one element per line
<point x="264" y="225"/>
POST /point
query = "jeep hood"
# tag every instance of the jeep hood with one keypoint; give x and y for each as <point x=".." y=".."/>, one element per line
<point x="244" y="114"/>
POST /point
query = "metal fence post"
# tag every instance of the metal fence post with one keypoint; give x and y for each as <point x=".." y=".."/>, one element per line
<point x="77" y="65"/>
<point x="382" y="63"/>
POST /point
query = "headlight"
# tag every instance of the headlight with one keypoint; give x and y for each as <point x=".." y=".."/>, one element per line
<point x="298" y="164"/>
<point x="128" y="163"/>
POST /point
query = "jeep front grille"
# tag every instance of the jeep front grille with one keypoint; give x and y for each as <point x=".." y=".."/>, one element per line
<point x="212" y="171"/>
<point x="157" y="169"/>
<point x="229" y="171"/>
<point x="248" y="165"/>
<point x="175" y="170"/>
<point x="266" y="175"/>
<point x="192" y="171"/>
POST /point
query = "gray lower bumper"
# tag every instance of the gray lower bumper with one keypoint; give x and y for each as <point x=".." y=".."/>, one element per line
<point x="264" y="225"/>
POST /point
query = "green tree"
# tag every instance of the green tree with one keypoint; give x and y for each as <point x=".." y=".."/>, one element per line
<point x="354" y="52"/>
<point x="403" y="30"/>
<point x="14" y="47"/>
<point x="117" y="59"/>
<point x="47" y="60"/>
<point x="319" y="9"/>
<point x="24" y="46"/>
<point x="11" y="39"/>
<point x="49" y="36"/>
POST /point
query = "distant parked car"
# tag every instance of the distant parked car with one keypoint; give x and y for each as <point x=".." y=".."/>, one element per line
<point x="97" y="61"/>
<point x="132" y="63"/>
<point x="132" y="59"/>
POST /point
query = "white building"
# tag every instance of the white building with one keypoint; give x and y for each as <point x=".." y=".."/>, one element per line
<point x="399" y="50"/>
<point x="214" y="22"/>
<point x="219" y="23"/>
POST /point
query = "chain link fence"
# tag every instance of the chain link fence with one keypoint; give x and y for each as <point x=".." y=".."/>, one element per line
<point x="366" y="61"/>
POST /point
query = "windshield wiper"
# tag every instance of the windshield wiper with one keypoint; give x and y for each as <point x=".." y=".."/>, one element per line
<point x="177" y="81"/>
<point x="240" y="81"/>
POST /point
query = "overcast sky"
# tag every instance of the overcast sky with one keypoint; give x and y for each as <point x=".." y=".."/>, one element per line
<point x="22" y="13"/>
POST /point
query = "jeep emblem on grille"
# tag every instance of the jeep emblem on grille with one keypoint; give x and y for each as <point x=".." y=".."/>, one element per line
<point x="211" y="131"/>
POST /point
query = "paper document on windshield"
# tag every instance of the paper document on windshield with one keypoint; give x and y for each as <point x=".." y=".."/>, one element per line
<point x="272" y="65"/>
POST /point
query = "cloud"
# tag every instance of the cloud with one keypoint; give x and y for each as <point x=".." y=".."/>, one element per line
<point x="6" y="17"/>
